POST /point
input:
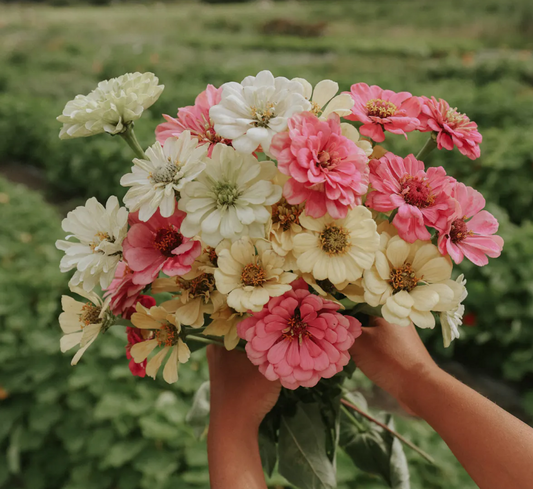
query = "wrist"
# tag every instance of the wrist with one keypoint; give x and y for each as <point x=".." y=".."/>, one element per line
<point x="417" y="383"/>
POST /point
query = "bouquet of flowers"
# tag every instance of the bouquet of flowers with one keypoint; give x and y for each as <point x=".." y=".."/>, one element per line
<point x="266" y="217"/>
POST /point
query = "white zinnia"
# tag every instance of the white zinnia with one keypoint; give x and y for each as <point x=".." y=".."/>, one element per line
<point x="111" y="106"/>
<point x="410" y="280"/>
<point x="100" y="231"/>
<point x="452" y="318"/>
<point x="82" y="321"/>
<point x="251" y="112"/>
<point x="229" y="198"/>
<point x="156" y="181"/>
<point x="324" y="99"/>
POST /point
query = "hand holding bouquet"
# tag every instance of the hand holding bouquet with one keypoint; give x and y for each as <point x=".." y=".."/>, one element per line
<point x="261" y="219"/>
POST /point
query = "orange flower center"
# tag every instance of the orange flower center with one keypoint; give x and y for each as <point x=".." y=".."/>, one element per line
<point x="403" y="278"/>
<point x="285" y="214"/>
<point x="166" y="240"/>
<point x="296" y="328"/>
<point x="334" y="240"/>
<point x="212" y="255"/>
<point x="416" y="191"/>
<point x="380" y="108"/>
<point x="167" y="335"/>
<point x="201" y="286"/>
<point x="90" y="314"/>
<point x="253" y="275"/>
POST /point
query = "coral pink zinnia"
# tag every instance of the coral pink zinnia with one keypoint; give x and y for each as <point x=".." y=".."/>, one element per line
<point x="383" y="110"/>
<point x="422" y="198"/>
<point x="122" y="290"/>
<point x="328" y="171"/>
<point x="452" y="127"/>
<point x="299" y="337"/>
<point x="194" y="118"/>
<point x="156" y="245"/>
<point x="470" y="231"/>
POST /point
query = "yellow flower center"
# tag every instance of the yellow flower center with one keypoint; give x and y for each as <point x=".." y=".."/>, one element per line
<point x="403" y="278"/>
<point x="380" y="108"/>
<point x="316" y="109"/>
<point x="455" y="117"/>
<point x="201" y="286"/>
<point x="334" y="240"/>
<point x="167" y="335"/>
<point x="90" y="314"/>
<point x="100" y="236"/>
<point x="285" y="214"/>
<point x="253" y="275"/>
<point x="262" y="116"/>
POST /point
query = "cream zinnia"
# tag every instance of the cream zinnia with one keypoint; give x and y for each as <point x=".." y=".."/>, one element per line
<point x="324" y="99"/>
<point x="111" y="106"/>
<point x="100" y="231"/>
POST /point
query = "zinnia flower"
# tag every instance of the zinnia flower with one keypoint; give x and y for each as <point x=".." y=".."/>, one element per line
<point x="252" y="111"/>
<point x="452" y="127"/>
<point x="122" y="291"/>
<point x="111" y="106"/>
<point x="452" y="317"/>
<point x="299" y="338"/>
<point x="100" y="231"/>
<point x="409" y="280"/>
<point x="166" y="335"/>
<point x="383" y="110"/>
<point x="82" y="321"/>
<point x="337" y="250"/>
<point x="470" y="231"/>
<point x="250" y="273"/>
<point x="422" y="198"/>
<point x="224" y="323"/>
<point x="156" y="182"/>
<point x="195" y="118"/>
<point x="328" y="171"/>
<point x="136" y="335"/>
<point x="229" y="199"/>
<point x="324" y="99"/>
<point x="158" y="245"/>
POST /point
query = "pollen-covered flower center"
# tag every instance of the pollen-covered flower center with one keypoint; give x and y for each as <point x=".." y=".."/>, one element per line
<point x="380" y="108"/>
<point x="262" y="116"/>
<point x="201" y="286"/>
<point x="100" y="236"/>
<point x="167" y="336"/>
<point x="403" y="278"/>
<point x="212" y="255"/>
<point x="416" y="191"/>
<point x="90" y="314"/>
<point x="334" y="240"/>
<point x="165" y="174"/>
<point x="226" y="193"/>
<point x="316" y="109"/>
<point x="285" y="214"/>
<point x="326" y="286"/>
<point x="296" y="328"/>
<point x="254" y="275"/>
<point x="326" y="159"/>
<point x="455" y="117"/>
<point x="166" y="240"/>
<point x="459" y="231"/>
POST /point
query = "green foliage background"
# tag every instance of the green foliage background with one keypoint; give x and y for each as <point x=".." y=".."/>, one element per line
<point x="96" y="426"/>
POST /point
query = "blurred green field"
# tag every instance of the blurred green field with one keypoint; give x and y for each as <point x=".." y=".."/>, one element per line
<point x="94" y="426"/>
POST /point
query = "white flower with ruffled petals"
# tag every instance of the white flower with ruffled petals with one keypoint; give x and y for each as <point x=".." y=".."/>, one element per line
<point x="229" y="198"/>
<point x="82" y="321"/>
<point x="156" y="181"/>
<point x="111" y="106"/>
<point x="251" y="112"/>
<point x="409" y="280"/>
<point x="324" y="99"/>
<point x="451" y="316"/>
<point x="100" y="231"/>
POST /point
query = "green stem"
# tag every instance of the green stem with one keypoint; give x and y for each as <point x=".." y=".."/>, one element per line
<point x="352" y="419"/>
<point x="122" y="322"/>
<point x="411" y="445"/>
<point x="430" y="145"/>
<point x="209" y="341"/>
<point x="131" y="139"/>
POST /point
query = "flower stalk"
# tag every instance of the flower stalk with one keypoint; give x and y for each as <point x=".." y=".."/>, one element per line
<point x="430" y="145"/>
<point x="129" y="136"/>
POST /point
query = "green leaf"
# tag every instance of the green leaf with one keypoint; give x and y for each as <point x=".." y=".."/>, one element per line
<point x="303" y="460"/>
<point x="198" y="415"/>
<point x="267" y="443"/>
<point x="375" y="450"/>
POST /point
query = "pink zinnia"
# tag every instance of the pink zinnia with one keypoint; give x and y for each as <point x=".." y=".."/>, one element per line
<point x="194" y="118"/>
<point x="158" y="245"/>
<point x="422" y="198"/>
<point x="452" y="127"/>
<point x="470" y="231"/>
<point x="328" y="171"/>
<point x="299" y="338"/>
<point x="383" y="110"/>
<point x="122" y="290"/>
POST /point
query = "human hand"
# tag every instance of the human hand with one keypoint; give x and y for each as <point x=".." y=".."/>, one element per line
<point x="393" y="357"/>
<point x="239" y="392"/>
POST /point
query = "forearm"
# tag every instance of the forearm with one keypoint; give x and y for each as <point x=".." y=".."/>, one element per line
<point x="494" y="447"/>
<point x="233" y="452"/>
